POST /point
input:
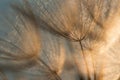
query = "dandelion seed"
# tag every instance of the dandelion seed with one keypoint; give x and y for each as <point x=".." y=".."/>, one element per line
<point x="88" y="28"/>
<point x="22" y="45"/>
<point x="51" y="60"/>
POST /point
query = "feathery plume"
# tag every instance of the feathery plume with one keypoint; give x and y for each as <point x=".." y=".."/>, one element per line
<point x="22" y="45"/>
<point x="51" y="61"/>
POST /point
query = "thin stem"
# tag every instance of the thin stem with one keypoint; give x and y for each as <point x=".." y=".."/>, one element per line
<point x="94" y="73"/>
<point x="84" y="59"/>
